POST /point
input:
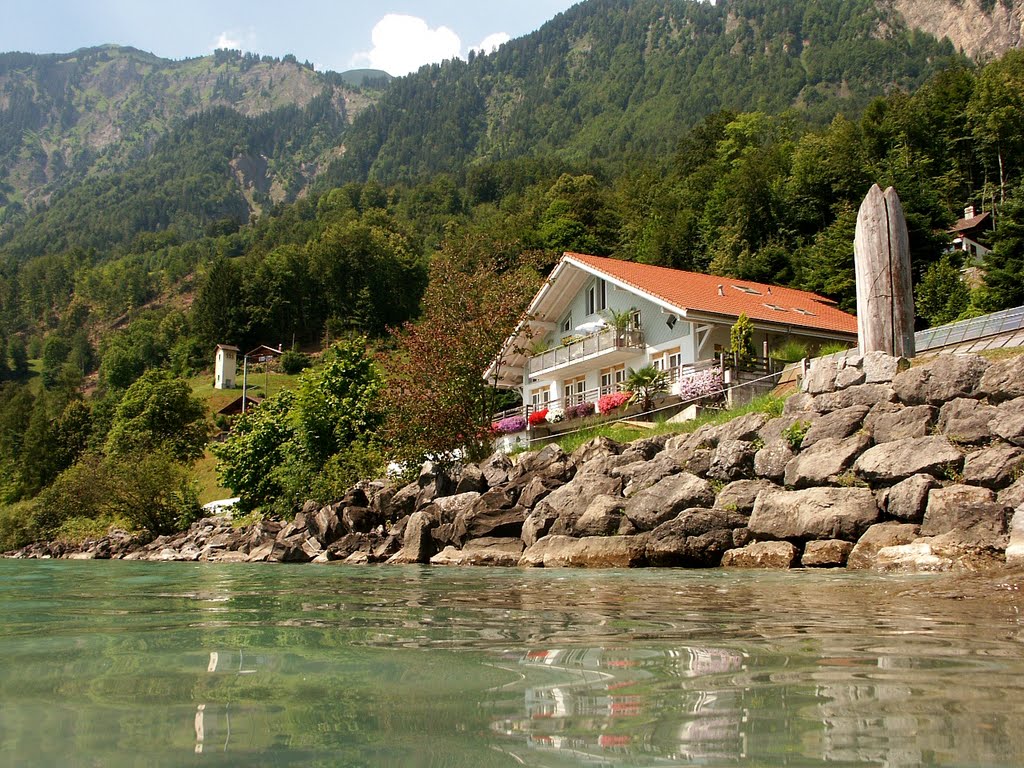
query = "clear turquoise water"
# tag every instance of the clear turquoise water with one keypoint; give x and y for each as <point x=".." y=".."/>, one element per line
<point x="143" y="664"/>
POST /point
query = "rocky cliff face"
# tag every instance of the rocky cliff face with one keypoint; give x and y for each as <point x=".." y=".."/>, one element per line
<point x="981" y="29"/>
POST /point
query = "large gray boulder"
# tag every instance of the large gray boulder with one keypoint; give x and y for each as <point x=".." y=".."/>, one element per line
<point x="906" y="501"/>
<point x="966" y="421"/>
<point x="740" y="495"/>
<point x="762" y="554"/>
<point x="492" y="514"/>
<point x="500" y="552"/>
<point x="470" y="479"/>
<point x="665" y="499"/>
<point x="1009" y="421"/>
<point x="359" y="519"/>
<point x="732" y="460"/>
<point x="596" y="448"/>
<point x="863" y="394"/>
<point x="643" y="474"/>
<point x="325" y="524"/>
<point x="1003" y="380"/>
<point x="537" y="525"/>
<point x="829" y="553"/>
<point x="604" y="517"/>
<point x="892" y="421"/>
<point x="876" y="538"/>
<point x="814" y="513"/>
<point x="417" y="541"/>
<point x="880" y="368"/>
<point x="744" y="428"/>
<point x="550" y="463"/>
<point x="697" y="538"/>
<point x="770" y="462"/>
<point x="590" y="552"/>
<point x="536" y="489"/>
<point x="495" y="469"/>
<point x="897" y="460"/>
<point x="972" y="515"/>
<point x="825" y="461"/>
<point x="835" y="425"/>
<point x="945" y="378"/>
<point x="572" y="499"/>
<point x="994" y="467"/>
<point x="821" y="376"/>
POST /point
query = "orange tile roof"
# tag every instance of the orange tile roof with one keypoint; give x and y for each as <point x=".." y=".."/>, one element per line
<point x="700" y="293"/>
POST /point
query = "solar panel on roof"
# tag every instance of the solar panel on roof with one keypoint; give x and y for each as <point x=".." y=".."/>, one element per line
<point x="1004" y="321"/>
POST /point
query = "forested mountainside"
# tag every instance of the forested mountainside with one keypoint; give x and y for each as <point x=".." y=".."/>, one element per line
<point x="610" y="79"/>
<point x="68" y="118"/>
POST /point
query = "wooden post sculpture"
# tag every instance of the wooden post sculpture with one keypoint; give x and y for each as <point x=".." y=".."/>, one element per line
<point x="885" y="296"/>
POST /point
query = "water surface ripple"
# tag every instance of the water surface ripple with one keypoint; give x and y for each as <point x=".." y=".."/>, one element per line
<point x="142" y="664"/>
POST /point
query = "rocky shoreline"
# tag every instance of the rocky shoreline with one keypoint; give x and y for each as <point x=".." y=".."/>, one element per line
<point x="875" y="464"/>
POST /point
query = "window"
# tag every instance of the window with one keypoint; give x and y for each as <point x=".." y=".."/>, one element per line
<point x="597" y="297"/>
<point x="574" y="389"/>
<point x="634" y="320"/>
<point x="747" y="289"/>
<point x="668" y="360"/>
<point x="567" y="324"/>
<point x="611" y="378"/>
<point x="540" y="399"/>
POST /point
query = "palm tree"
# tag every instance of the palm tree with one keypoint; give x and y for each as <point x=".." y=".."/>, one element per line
<point x="645" y="384"/>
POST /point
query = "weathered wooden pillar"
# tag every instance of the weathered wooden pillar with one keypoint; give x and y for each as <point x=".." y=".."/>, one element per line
<point x="885" y="294"/>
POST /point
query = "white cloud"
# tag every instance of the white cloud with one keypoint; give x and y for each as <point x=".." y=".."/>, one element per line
<point x="229" y="40"/>
<point x="402" y="44"/>
<point x="491" y="43"/>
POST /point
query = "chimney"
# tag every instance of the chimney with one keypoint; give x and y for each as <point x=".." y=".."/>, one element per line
<point x="969" y="212"/>
<point x="721" y="291"/>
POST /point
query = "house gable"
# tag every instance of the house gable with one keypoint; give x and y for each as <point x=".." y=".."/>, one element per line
<point x="674" y="307"/>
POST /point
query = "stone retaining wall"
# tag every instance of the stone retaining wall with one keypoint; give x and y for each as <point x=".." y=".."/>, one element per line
<point x="876" y="464"/>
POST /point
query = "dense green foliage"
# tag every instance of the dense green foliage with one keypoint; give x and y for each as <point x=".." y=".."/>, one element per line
<point x="311" y="443"/>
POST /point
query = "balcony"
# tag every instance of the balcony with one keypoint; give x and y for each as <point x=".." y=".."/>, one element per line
<point x="604" y="343"/>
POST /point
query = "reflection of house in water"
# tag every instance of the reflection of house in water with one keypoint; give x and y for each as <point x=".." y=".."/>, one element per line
<point x="609" y="701"/>
<point x="213" y="721"/>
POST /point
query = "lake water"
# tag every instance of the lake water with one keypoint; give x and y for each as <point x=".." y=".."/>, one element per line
<point x="143" y="664"/>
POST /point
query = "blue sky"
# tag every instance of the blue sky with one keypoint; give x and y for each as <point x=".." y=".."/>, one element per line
<point x="395" y="36"/>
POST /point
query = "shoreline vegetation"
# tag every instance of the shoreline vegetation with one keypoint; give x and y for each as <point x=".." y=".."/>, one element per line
<point x="875" y="464"/>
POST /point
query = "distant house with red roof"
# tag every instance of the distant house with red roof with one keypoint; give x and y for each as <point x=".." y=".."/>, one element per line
<point x="969" y="230"/>
<point x="566" y="350"/>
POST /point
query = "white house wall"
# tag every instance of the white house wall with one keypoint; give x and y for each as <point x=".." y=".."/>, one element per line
<point x="658" y="336"/>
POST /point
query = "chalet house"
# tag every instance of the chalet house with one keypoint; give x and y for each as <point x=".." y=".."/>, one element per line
<point x="568" y="349"/>
<point x="967" y="231"/>
<point x="264" y="354"/>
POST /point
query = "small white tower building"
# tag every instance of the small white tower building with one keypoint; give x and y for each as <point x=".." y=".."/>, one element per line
<point x="224" y="368"/>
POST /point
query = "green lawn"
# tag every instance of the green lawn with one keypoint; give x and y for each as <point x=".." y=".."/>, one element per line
<point x="259" y="384"/>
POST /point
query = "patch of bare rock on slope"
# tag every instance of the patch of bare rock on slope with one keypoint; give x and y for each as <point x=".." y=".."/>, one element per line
<point x="978" y="32"/>
<point x="875" y="465"/>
